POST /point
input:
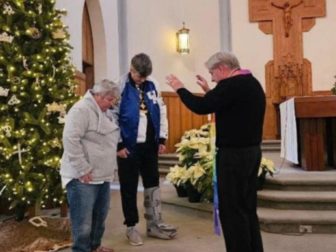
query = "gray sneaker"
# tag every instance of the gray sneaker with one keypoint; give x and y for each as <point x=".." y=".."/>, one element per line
<point x="133" y="236"/>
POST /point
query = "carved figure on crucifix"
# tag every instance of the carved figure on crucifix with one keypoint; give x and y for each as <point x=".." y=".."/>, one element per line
<point x="287" y="14"/>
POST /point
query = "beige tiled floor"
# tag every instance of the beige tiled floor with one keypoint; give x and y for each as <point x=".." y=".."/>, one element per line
<point x="196" y="235"/>
<point x="196" y="232"/>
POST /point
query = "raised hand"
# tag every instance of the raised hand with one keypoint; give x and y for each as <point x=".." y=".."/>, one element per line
<point x="174" y="82"/>
<point x="202" y="83"/>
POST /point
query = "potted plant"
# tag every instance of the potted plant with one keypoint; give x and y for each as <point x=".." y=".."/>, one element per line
<point x="178" y="177"/>
<point x="266" y="167"/>
<point x="194" y="169"/>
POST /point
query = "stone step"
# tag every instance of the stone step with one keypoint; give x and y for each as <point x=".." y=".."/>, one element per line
<point x="271" y="142"/>
<point x="297" y="221"/>
<point x="270" y="148"/>
<point x="170" y="159"/>
<point x="168" y="156"/>
<point x="270" y="145"/>
<point x="287" y="221"/>
<point x="305" y="200"/>
<point x="166" y="161"/>
<point x="302" y="181"/>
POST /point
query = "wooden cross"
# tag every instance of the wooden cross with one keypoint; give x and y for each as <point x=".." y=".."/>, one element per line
<point x="289" y="73"/>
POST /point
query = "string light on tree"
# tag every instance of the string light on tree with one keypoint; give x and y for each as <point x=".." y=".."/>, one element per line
<point x="30" y="148"/>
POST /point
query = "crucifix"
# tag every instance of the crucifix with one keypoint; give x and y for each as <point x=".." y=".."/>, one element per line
<point x="289" y="73"/>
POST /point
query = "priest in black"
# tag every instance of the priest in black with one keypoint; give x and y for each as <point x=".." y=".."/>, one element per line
<point x="238" y="101"/>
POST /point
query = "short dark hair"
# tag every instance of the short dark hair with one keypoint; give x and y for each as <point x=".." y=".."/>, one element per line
<point x="142" y="64"/>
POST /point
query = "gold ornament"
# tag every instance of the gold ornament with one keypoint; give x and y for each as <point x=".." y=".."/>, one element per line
<point x="33" y="32"/>
<point x="7" y="129"/>
<point x="59" y="34"/>
<point x="55" y="107"/>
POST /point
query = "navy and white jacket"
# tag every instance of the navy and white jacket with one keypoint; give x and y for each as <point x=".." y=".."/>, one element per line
<point x="132" y="123"/>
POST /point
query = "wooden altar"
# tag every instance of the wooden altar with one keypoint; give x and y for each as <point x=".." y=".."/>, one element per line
<point x="316" y="124"/>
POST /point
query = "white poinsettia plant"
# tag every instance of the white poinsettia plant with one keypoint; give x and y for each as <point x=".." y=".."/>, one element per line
<point x="177" y="175"/>
<point x="195" y="163"/>
<point x="266" y="167"/>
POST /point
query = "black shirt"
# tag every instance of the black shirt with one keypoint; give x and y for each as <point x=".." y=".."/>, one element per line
<point x="239" y="106"/>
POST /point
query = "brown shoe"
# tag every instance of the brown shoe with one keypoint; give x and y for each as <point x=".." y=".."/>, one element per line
<point x="103" y="249"/>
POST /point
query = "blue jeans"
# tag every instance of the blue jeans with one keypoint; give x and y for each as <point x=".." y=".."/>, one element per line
<point x="89" y="206"/>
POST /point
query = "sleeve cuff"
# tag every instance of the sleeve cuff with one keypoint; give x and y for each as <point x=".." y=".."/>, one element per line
<point x="120" y="146"/>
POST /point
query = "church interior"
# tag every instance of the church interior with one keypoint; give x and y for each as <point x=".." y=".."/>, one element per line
<point x="288" y="45"/>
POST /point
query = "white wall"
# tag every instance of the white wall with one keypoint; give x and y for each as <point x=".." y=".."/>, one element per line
<point x="104" y="21"/>
<point x="252" y="47"/>
<point x="255" y="48"/>
<point x="152" y="27"/>
<point x="319" y="48"/>
<point x="73" y="20"/>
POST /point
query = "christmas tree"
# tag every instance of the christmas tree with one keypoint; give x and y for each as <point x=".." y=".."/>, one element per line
<point x="36" y="89"/>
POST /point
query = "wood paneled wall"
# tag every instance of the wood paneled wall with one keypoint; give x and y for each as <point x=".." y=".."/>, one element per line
<point x="80" y="80"/>
<point x="180" y="119"/>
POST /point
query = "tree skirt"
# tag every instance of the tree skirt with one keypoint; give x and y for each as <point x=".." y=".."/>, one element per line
<point x="24" y="237"/>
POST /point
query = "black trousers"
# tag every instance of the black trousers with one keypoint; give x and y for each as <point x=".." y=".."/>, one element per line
<point x="237" y="170"/>
<point x="142" y="161"/>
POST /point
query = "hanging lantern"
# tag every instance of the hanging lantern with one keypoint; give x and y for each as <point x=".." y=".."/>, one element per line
<point x="183" y="40"/>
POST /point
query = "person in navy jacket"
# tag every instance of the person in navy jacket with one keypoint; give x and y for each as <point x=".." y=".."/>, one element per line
<point x="144" y="130"/>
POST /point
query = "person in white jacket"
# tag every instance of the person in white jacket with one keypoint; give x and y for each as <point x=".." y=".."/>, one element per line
<point x="90" y="140"/>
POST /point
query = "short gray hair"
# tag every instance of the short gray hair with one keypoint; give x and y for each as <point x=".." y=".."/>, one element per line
<point x="142" y="64"/>
<point x="222" y="58"/>
<point x="106" y="87"/>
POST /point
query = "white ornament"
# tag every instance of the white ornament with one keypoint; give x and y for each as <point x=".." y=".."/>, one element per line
<point x="54" y="71"/>
<point x="39" y="8"/>
<point x="13" y="100"/>
<point x="4" y="91"/>
<point x="61" y="119"/>
<point x="3" y="189"/>
<point x="4" y="37"/>
<point x="19" y="152"/>
<point x="8" y="9"/>
<point x="24" y="62"/>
